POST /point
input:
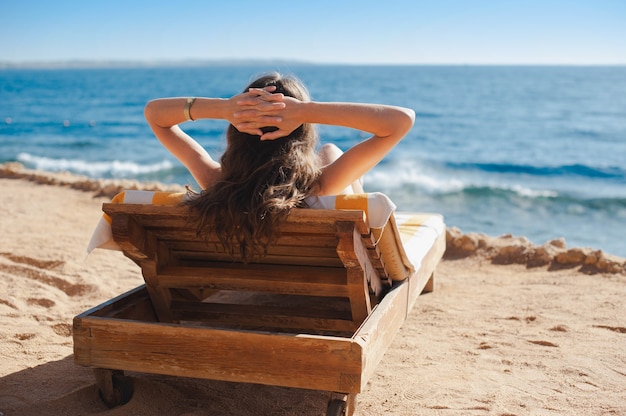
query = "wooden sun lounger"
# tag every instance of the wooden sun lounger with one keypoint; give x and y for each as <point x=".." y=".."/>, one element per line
<point x="318" y="312"/>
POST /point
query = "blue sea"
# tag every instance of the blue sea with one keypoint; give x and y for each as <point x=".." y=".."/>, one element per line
<point x="537" y="151"/>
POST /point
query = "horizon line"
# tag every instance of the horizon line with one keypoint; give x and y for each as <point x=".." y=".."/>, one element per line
<point x="130" y="63"/>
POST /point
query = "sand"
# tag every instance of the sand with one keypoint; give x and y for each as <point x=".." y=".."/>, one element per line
<point x="511" y="329"/>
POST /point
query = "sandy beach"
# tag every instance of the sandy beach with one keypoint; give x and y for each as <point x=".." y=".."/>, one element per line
<point x="511" y="328"/>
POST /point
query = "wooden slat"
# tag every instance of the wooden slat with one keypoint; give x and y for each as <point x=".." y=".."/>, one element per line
<point x="276" y="250"/>
<point x="308" y="225"/>
<point x="284" y="239"/>
<point x="300" y="241"/>
<point x="161" y="297"/>
<point x="358" y="290"/>
<point x="146" y="209"/>
<point x="302" y="361"/>
<point x="135" y="303"/>
<point x="380" y="327"/>
<point x="373" y="279"/>
<point x="191" y="294"/>
<point x="377" y="261"/>
<point x="296" y="216"/>
<point x="306" y="220"/>
<point x="263" y="316"/>
<point x="318" y="281"/>
<point x="186" y="257"/>
<point x="129" y="236"/>
<point x="279" y="253"/>
<point x="335" y="308"/>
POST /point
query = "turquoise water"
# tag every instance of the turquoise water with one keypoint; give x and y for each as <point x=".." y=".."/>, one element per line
<point x="534" y="151"/>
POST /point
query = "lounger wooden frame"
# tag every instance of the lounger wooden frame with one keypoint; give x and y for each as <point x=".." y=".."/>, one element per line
<point x="318" y="312"/>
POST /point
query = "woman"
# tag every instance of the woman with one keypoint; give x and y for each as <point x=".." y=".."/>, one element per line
<point x="270" y="163"/>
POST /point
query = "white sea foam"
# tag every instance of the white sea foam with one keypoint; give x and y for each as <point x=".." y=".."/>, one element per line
<point x="115" y="168"/>
<point x="532" y="193"/>
<point x="405" y="174"/>
<point x="435" y="182"/>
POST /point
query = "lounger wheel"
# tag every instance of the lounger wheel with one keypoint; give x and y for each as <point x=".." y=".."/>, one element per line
<point x="336" y="407"/>
<point x="114" y="389"/>
<point x="340" y="404"/>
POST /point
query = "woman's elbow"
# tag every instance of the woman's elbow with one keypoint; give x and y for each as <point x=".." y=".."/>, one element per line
<point x="408" y="119"/>
<point x="155" y="113"/>
<point x="403" y="121"/>
<point x="149" y="111"/>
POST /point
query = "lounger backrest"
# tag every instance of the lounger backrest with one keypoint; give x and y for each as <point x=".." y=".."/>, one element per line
<point x="323" y="275"/>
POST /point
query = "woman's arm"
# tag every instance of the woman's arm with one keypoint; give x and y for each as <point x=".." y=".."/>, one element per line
<point x="387" y="124"/>
<point x="165" y="114"/>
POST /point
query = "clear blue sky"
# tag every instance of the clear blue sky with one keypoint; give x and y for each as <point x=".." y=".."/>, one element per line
<point x="335" y="31"/>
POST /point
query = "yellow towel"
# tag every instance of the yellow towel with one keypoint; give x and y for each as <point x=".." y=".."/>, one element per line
<point x="102" y="236"/>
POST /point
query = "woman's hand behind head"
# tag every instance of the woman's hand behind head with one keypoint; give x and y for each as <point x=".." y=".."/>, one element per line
<point x="290" y="119"/>
<point x="256" y="109"/>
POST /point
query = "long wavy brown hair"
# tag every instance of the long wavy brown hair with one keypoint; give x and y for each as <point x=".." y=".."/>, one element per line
<point x="261" y="181"/>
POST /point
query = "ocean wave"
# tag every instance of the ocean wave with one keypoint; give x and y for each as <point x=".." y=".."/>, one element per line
<point x="434" y="184"/>
<point x="609" y="172"/>
<point x="506" y="190"/>
<point x="113" y="169"/>
<point x="558" y="202"/>
<point x="442" y="191"/>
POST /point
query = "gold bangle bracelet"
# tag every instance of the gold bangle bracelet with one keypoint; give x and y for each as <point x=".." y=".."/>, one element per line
<point x="187" y="108"/>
